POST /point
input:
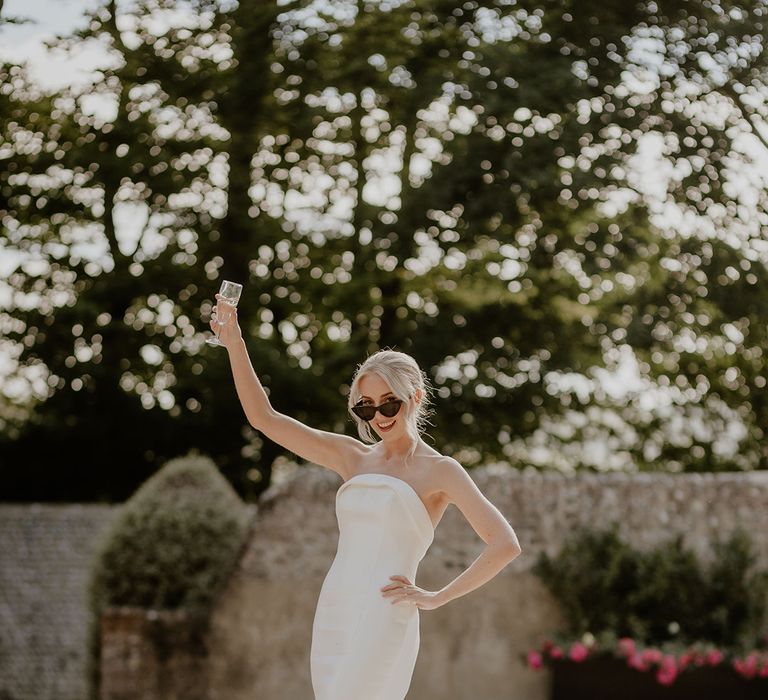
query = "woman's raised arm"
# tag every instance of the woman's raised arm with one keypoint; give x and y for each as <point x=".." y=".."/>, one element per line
<point x="331" y="450"/>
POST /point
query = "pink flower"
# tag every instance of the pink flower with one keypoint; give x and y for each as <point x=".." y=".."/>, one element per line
<point x="714" y="657"/>
<point x="669" y="662"/>
<point x="685" y="660"/>
<point x="534" y="659"/>
<point x="547" y="645"/>
<point x="626" y="646"/>
<point x="746" y="667"/>
<point x="668" y="669"/>
<point x="578" y="652"/>
<point x="764" y="670"/>
<point x="651" y="656"/>
<point x="666" y="675"/>
<point x="636" y="661"/>
<point x="556" y="653"/>
<point x="752" y="661"/>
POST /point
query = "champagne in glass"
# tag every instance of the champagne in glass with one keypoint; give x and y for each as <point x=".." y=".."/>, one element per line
<point x="229" y="293"/>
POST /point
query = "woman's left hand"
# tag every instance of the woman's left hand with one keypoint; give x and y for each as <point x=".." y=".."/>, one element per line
<point x="403" y="592"/>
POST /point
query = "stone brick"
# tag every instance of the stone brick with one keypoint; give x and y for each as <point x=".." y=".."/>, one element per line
<point x="45" y="558"/>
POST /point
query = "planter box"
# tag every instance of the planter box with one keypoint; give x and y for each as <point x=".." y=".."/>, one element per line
<point x="150" y="655"/>
<point x="606" y="678"/>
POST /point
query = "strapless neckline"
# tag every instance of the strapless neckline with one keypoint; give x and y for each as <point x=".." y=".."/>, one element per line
<point x="408" y="487"/>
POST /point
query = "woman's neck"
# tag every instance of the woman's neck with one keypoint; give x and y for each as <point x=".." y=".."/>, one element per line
<point x="398" y="451"/>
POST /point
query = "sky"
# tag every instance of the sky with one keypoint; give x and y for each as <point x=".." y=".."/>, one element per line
<point x="47" y="18"/>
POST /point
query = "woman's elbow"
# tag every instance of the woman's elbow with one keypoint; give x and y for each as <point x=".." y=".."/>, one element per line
<point x="262" y="421"/>
<point x="506" y="549"/>
<point x="512" y="549"/>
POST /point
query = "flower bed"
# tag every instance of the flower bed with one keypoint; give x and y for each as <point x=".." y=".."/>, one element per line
<point x="594" y="669"/>
<point x="649" y="612"/>
<point x="608" y="678"/>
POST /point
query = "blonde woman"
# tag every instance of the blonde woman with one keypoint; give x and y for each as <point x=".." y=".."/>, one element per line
<point x="365" y="635"/>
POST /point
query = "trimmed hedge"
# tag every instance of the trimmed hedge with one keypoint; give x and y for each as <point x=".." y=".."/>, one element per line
<point x="172" y="546"/>
<point x="604" y="584"/>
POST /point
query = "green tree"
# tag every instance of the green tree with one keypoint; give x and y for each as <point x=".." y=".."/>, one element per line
<point x="116" y="321"/>
<point x="456" y="180"/>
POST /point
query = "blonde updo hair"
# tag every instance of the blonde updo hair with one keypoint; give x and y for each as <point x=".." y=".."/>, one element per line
<point x="404" y="376"/>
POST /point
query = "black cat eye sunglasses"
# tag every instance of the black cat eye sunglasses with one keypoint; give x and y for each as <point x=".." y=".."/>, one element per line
<point x="388" y="409"/>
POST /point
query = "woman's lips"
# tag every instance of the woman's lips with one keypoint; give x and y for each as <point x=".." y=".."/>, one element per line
<point x="388" y="428"/>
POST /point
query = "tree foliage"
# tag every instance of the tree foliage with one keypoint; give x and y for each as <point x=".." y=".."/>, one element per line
<point x="461" y="181"/>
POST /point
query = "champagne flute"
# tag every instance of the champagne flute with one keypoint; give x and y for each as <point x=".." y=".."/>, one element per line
<point x="229" y="293"/>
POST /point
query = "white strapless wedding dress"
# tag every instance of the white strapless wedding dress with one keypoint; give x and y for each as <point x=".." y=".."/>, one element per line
<point x="363" y="646"/>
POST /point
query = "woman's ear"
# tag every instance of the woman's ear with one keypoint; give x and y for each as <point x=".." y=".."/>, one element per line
<point x="418" y="394"/>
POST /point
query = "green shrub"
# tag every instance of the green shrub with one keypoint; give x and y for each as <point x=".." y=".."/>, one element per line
<point x="603" y="585"/>
<point x="737" y="589"/>
<point x="591" y="578"/>
<point x="172" y="546"/>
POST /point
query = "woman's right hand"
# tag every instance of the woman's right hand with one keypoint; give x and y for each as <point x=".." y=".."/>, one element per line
<point x="229" y="332"/>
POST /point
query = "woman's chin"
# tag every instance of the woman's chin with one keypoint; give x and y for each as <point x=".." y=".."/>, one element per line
<point x="388" y="434"/>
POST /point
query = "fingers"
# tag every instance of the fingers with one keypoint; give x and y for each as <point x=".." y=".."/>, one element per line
<point x="232" y="312"/>
<point x="404" y="598"/>
<point x="399" y="591"/>
<point x="399" y="579"/>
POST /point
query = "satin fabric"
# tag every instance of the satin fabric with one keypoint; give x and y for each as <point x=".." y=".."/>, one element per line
<point x="363" y="646"/>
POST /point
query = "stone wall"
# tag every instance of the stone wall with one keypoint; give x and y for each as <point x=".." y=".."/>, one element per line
<point x="472" y="647"/>
<point x="45" y="558"/>
<point x="261" y="627"/>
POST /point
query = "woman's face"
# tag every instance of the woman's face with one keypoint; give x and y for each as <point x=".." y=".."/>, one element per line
<point x="376" y="391"/>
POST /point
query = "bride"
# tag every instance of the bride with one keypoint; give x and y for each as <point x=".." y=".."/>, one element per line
<point x="365" y="634"/>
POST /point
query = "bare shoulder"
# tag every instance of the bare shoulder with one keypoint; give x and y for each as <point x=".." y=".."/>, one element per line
<point x="448" y="468"/>
<point x="440" y="469"/>
<point x="460" y="489"/>
<point x="452" y="478"/>
<point x="355" y="453"/>
<point x="335" y="451"/>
